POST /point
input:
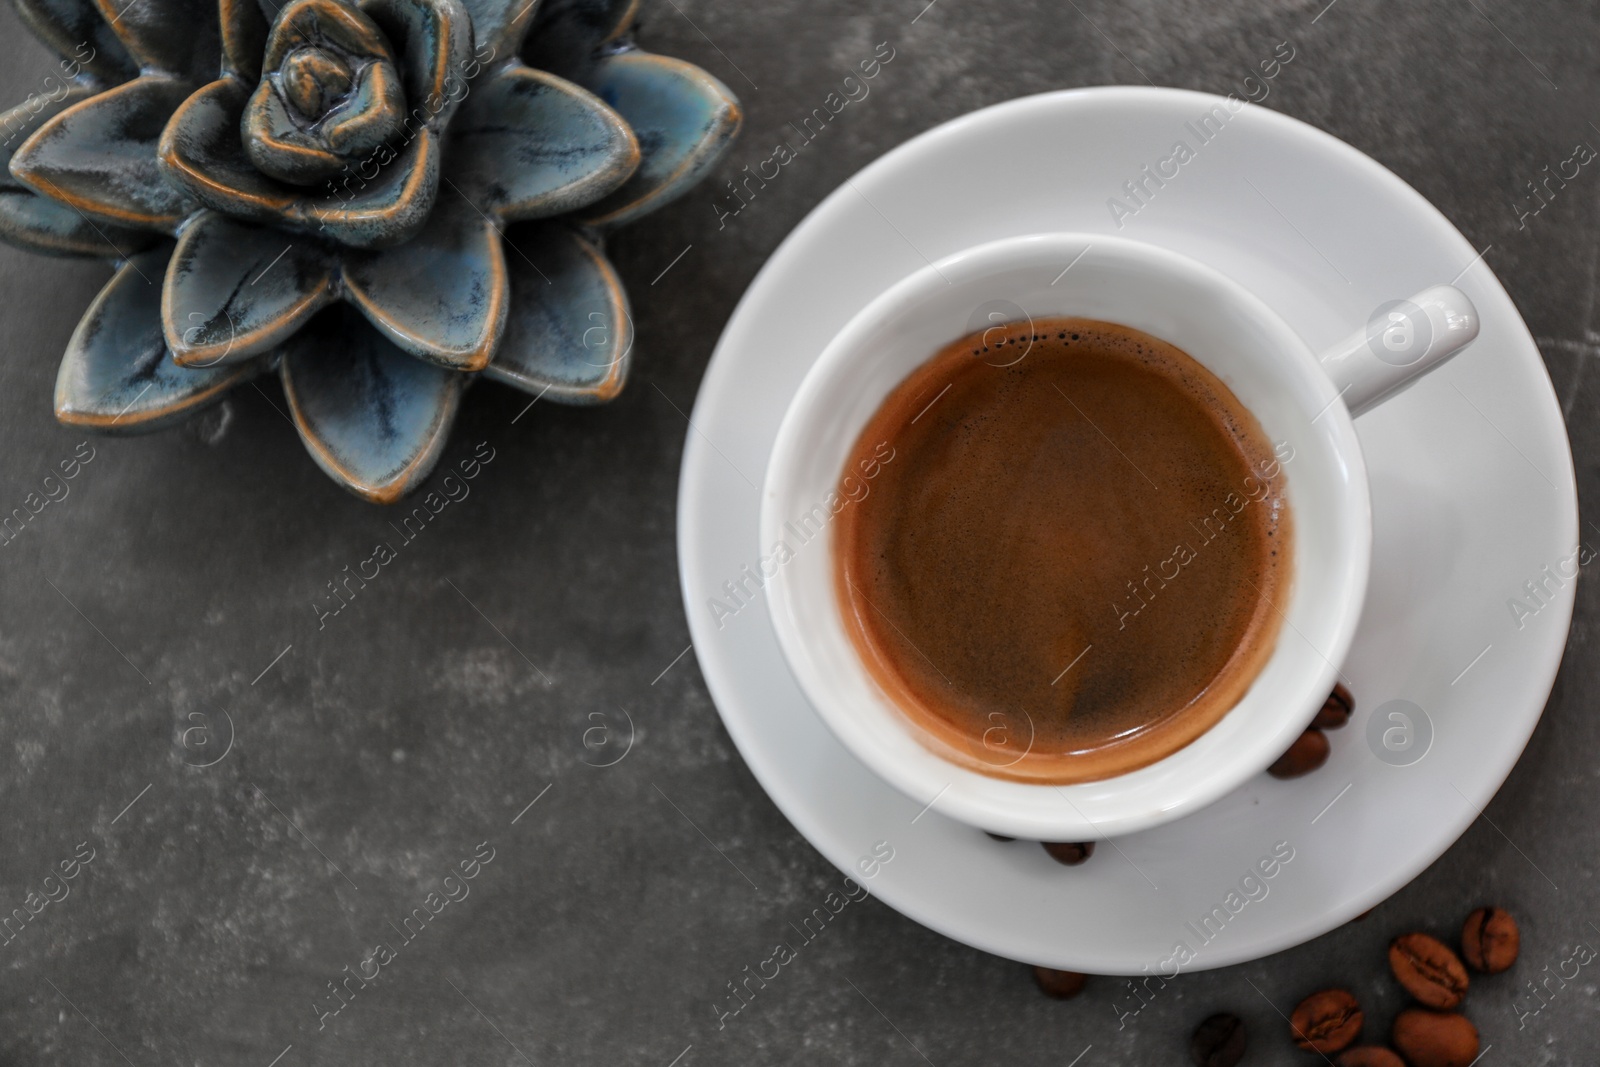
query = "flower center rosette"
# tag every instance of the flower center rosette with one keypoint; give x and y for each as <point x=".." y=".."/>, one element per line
<point x="380" y="201"/>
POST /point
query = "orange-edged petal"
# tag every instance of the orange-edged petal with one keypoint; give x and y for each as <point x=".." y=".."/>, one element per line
<point x="433" y="43"/>
<point x="117" y="375"/>
<point x="374" y="418"/>
<point x="244" y="37"/>
<point x="38" y="223"/>
<point x="312" y="21"/>
<point x="570" y="333"/>
<point x="233" y="291"/>
<point x="99" y="156"/>
<point x="684" y="118"/>
<point x="172" y="36"/>
<point x="84" y="40"/>
<point x="440" y="296"/>
<point x="568" y="36"/>
<point x="528" y="144"/>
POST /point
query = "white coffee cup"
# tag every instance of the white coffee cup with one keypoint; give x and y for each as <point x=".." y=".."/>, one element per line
<point x="1302" y="401"/>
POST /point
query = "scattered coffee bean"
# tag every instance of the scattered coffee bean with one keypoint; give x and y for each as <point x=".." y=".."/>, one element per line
<point x="1063" y="985"/>
<point x="1434" y="1038"/>
<point x="1000" y="837"/>
<point x="1309" y="751"/>
<point x="1218" y="1042"/>
<point x="1326" y="1022"/>
<point x="1070" y="853"/>
<point x="1428" y="969"/>
<point x="1369" y="1056"/>
<point x="1335" y="710"/>
<point x="1490" y="940"/>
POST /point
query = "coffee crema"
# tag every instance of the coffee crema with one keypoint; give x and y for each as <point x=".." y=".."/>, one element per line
<point x="1070" y="570"/>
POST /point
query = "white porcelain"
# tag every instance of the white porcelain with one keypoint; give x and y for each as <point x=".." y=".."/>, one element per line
<point x="1472" y="495"/>
<point x="1230" y="332"/>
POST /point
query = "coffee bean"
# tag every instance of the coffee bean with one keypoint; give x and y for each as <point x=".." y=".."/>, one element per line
<point x="1369" y="1056"/>
<point x="1428" y="969"/>
<point x="1218" y="1042"/>
<point x="1063" y="985"/>
<point x="1070" y="853"/>
<point x="1335" y="710"/>
<point x="1326" y="1022"/>
<point x="1490" y="940"/>
<point x="1000" y="837"/>
<point x="1434" y="1038"/>
<point x="1309" y="751"/>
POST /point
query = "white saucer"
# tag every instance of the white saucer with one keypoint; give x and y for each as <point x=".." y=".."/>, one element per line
<point x="1473" y="496"/>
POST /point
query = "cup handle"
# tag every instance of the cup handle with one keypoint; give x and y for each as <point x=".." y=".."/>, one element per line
<point x="1403" y="340"/>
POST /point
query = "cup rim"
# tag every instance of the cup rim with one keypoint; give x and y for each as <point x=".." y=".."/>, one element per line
<point x="982" y="802"/>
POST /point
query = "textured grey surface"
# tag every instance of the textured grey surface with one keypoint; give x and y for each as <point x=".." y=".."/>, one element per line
<point x="382" y="749"/>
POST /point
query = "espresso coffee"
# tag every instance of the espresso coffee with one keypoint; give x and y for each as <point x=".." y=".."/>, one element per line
<point x="1070" y="570"/>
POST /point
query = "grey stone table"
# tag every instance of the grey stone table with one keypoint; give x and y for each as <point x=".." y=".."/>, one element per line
<point x="171" y="594"/>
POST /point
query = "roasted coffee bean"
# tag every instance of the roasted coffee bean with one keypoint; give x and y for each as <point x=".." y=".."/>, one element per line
<point x="1000" y="837"/>
<point x="1490" y="940"/>
<point x="1326" y="1022"/>
<point x="1063" y="985"/>
<point x="1309" y="751"/>
<point x="1428" y="969"/>
<point x="1218" y="1042"/>
<point x="1434" y="1038"/>
<point x="1070" y="853"/>
<point x="1369" y="1056"/>
<point x="1335" y="710"/>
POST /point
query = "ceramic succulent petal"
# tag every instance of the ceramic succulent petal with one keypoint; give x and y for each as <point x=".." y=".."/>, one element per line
<point x="570" y="333"/>
<point x="384" y="204"/>
<point x="244" y="37"/>
<point x="684" y="118"/>
<point x="375" y="116"/>
<point x="174" y="36"/>
<point x="303" y="22"/>
<point x="75" y="30"/>
<point x="117" y="375"/>
<point x="433" y="45"/>
<point x="569" y="36"/>
<point x="280" y="147"/>
<point x="99" y="156"/>
<point x="233" y="291"/>
<point x="38" y="222"/>
<point x="529" y="144"/>
<point x="373" y="418"/>
<point x="442" y="295"/>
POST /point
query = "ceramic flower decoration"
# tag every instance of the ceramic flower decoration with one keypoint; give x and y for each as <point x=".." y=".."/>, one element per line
<point x="380" y="201"/>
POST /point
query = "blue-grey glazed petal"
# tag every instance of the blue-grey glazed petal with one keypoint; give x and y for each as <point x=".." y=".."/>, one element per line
<point x="76" y="31"/>
<point x="38" y="223"/>
<point x="117" y="375"/>
<point x="244" y="37"/>
<point x="569" y="36"/>
<point x="440" y="296"/>
<point x="684" y="118"/>
<point x="233" y="291"/>
<point x="99" y="156"/>
<point x="381" y="203"/>
<point x="432" y="41"/>
<point x="528" y="145"/>
<point x="569" y="336"/>
<point x="173" y="36"/>
<point x="280" y="146"/>
<point x="373" y="417"/>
